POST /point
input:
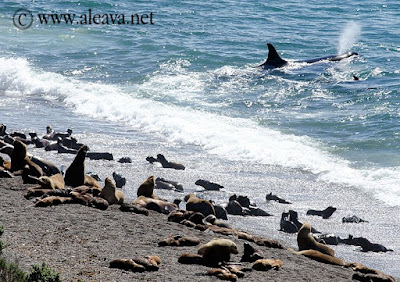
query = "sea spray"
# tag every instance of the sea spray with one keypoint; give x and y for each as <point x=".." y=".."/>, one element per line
<point x="349" y="36"/>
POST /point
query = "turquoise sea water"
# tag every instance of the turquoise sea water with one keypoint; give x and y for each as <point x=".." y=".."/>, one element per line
<point x="191" y="81"/>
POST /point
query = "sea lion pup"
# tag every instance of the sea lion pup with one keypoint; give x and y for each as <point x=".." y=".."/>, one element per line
<point x="217" y="250"/>
<point x="271" y="197"/>
<point x="155" y="204"/>
<point x="250" y="254"/>
<point x="193" y="203"/>
<point x="19" y="160"/>
<point x="5" y="164"/>
<point x="146" y="189"/>
<point x="127" y="264"/>
<point x="208" y="185"/>
<point x="318" y="256"/>
<point x="368" y="274"/>
<point x="306" y="241"/>
<point x="53" y="182"/>
<point x="167" y="164"/>
<point x="326" y="213"/>
<point x="111" y="193"/>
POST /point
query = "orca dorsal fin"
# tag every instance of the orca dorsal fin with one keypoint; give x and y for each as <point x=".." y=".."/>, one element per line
<point x="273" y="58"/>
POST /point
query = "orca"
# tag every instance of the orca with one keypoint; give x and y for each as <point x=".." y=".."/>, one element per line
<point x="275" y="61"/>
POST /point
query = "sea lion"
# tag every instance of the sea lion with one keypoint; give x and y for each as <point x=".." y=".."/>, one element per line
<point x="286" y="225"/>
<point x="212" y="219"/>
<point x="146" y="189"/>
<point x="49" y="133"/>
<point x="167" y="164"/>
<point x="177" y="186"/>
<point x="193" y="203"/>
<point x="125" y="160"/>
<point x="250" y="254"/>
<point x="271" y="197"/>
<point x="127" y="264"/>
<point x="155" y="204"/>
<point x="111" y="193"/>
<point x="367" y="246"/>
<point x="125" y="207"/>
<point x="55" y="181"/>
<point x="235" y="208"/>
<point x="321" y="257"/>
<point x="120" y="181"/>
<point x="326" y="213"/>
<point x="208" y="185"/>
<point x="53" y="201"/>
<point x="48" y="168"/>
<point x="217" y="250"/>
<point x="306" y="241"/>
<point x="220" y="212"/>
<point x="6" y="148"/>
<point x="294" y="217"/>
<point x="352" y="219"/>
<point x="187" y="258"/>
<point x="19" y="160"/>
<point x="222" y="273"/>
<point x="100" y="156"/>
<point x="267" y="264"/>
<point x="75" y="174"/>
<point x="36" y="141"/>
<point x="179" y="241"/>
<point x="3" y="129"/>
<point x="328" y="239"/>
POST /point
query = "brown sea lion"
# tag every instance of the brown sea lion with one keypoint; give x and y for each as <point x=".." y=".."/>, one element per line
<point x="217" y="250"/>
<point x="267" y="264"/>
<point x="306" y="241"/>
<point x="318" y="256"/>
<point x="222" y="273"/>
<point x="146" y="189"/>
<point x="127" y="264"/>
<point x="111" y="193"/>
<point x="75" y="174"/>
<point x="19" y="160"/>
<point x="193" y="203"/>
<point x="55" y="181"/>
<point x="53" y="201"/>
<point x="178" y="240"/>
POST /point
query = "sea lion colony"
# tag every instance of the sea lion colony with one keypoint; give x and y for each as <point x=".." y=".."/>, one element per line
<point x="51" y="188"/>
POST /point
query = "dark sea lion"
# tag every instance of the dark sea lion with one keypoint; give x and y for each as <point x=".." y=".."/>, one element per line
<point x="187" y="258"/>
<point x="162" y="183"/>
<point x="328" y="239"/>
<point x="100" y="156"/>
<point x="235" y="208"/>
<point x="250" y="254"/>
<point x="208" y="185"/>
<point x="61" y="149"/>
<point x="306" y="241"/>
<point x="179" y="241"/>
<point x="193" y="203"/>
<point x="6" y="148"/>
<point x="120" y="181"/>
<point x="220" y="212"/>
<point x="48" y="168"/>
<point x="111" y="193"/>
<point x="125" y="207"/>
<point x="19" y="135"/>
<point x="326" y="213"/>
<point x="286" y="225"/>
<point x="49" y="133"/>
<point x="217" y="250"/>
<point x="294" y="217"/>
<point x="75" y="173"/>
<point x="212" y="219"/>
<point x="35" y="140"/>
<point x="125" y="160"/>
<point x="167" y="164"/>
<point x="367" y="246"/>
<point x="271" y="197"/>
<point x="3" y="129"/>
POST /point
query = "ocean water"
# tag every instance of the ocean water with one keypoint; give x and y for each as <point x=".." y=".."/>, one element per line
<point x="188" y="86"/>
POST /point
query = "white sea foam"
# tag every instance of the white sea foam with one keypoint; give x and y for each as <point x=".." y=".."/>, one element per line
<point x="233" y="138"/>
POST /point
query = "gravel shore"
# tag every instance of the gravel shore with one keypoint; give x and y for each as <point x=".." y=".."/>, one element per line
<point x="80" y="242"/>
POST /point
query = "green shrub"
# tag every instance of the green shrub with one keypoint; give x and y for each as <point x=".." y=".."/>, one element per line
<point x="10" y="272"/>
<point x="43" y="273"/>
